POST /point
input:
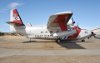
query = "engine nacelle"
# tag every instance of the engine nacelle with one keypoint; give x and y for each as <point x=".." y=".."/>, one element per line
<point x="71" y="22"/>
<point x="65" y="33"/>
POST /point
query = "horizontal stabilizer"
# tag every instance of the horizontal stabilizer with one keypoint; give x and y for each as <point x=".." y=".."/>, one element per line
<point x="17" y="23"/>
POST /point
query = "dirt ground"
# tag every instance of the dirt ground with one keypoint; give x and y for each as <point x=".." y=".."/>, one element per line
<point x="17" y="49"/>
<point x="51" y="59"/>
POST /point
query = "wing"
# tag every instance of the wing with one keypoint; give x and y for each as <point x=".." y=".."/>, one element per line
<point x="58" y="21"/>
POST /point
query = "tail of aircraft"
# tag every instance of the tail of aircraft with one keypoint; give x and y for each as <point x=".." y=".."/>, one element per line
<point x="15" y="18"/>
<point x="16" y="24"/>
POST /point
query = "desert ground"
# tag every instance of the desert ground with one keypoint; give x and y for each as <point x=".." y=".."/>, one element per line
<point x="18" y="49"/>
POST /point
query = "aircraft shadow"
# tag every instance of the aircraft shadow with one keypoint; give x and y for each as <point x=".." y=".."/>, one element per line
<point x="29" y="41"/>
<point x="70" y="45"/>
<point x="34" y="41"/>
<point x="65" y="44"/>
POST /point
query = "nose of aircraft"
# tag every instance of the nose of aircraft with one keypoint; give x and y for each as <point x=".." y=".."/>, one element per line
<point x="96" y="35"/>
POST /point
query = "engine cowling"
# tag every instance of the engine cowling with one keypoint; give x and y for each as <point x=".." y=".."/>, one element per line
<point x="71" y="22"/>
<point x="65" y="33"/>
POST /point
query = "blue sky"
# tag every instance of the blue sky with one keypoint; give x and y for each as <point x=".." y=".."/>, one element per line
<point x="85" y="12"/>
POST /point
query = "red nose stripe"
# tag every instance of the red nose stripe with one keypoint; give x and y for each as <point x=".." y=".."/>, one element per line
<point x="78" y="30"/>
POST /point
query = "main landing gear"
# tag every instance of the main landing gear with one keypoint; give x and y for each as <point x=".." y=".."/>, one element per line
<point x="83" y="40"/>
<point x="58" y="40"/>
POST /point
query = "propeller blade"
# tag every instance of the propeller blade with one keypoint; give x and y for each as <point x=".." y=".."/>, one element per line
<point x="96" y="33"/>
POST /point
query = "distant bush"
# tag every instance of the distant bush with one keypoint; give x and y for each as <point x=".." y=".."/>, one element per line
<point x="1" y="34"/>
<point x="12" y="34"/>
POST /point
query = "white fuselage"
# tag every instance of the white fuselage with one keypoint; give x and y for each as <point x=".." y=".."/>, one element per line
<point x="38" y="32"/>
<point x="43" y="32"/>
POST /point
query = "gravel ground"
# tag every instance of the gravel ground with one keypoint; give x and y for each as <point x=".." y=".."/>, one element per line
<point x="17" y="49"/>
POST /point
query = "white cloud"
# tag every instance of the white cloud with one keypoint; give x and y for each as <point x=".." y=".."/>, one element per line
<point x="14" y="5"/>
<point x="10" y="6"/>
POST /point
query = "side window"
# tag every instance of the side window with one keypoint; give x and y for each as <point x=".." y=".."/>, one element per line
<point x="51" y="35"/>
<point x="41" y="31"/>
<point x="51" y="31"/>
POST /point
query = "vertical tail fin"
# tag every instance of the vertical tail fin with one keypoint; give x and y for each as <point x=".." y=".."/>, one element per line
<point x="15" y="18"/>
<point x="16" y="24"/>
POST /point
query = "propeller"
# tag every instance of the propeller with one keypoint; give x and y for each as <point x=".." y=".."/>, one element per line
<point x="92" y="34"/>
<point x="96" y="33"/>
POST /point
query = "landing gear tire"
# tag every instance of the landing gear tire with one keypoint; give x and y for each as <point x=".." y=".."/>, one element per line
<point x="58" y="40"/>
<point x="83" y="40"/>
